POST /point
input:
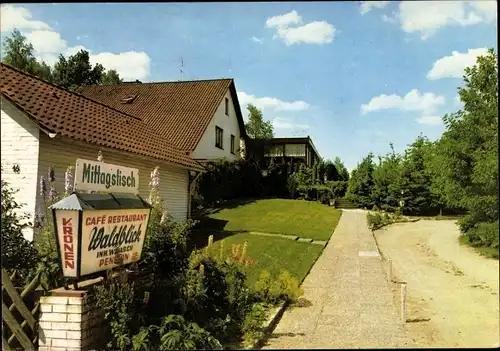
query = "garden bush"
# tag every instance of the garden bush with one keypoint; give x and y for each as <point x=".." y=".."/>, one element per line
<point x="174" y="333"/>
<point x="283" y="289"/>
<point x="18" y="253"/>
<point x="483" y="234"/>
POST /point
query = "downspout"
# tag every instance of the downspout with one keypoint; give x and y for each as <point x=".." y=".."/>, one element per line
<point x="191" y="183"/>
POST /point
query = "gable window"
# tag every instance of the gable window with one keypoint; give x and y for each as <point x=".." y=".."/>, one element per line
<point x="232" y="143"/>
<point x="226" y="106"/>
<point x="218" y="137"/>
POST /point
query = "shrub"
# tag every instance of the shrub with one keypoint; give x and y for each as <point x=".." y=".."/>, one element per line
<point x="292" y="186"/>
<point x="273" y="291"/>
<point x="254" y="320"/>
<point x="17" y="253"/>
<point x="339" y="188"/>
<point x="174" y="333"/>
<point x="226" y="302"/>
<point x="374" y="220"/>
<point x="484" y="235"/>
<point x="116" y="297"/>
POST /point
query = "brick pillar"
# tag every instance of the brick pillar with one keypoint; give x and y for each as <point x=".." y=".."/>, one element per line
<point x="71" y="321"/>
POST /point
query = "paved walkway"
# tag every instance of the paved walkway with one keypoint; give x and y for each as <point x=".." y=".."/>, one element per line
<point x="348" y="301"/>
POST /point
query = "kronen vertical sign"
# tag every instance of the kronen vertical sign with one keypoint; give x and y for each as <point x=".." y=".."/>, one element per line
<point x="104" y="177"/>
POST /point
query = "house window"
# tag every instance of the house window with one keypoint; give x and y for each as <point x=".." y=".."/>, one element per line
<point x="232" y="143"/>
<point x="227" y="107"/>
<point x="218" y="137"/>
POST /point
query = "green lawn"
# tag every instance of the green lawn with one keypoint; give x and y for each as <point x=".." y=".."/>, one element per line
<point x="306" y="219"/>
<point x="272" y="254"/>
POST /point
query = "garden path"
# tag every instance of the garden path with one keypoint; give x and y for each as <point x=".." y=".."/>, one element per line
<point x="347" y="300"/>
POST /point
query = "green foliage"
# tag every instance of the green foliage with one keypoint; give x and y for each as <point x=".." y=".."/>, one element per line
<point x="466" y="163"/>
<point x="343" y="173"/>
<point x="76" y="71"/>
<point x="339" y="188"/>
<point x="415" y="180"/>
<point x="226" y="300"/>
<point x="165" y="250"/>
<point x="19" y="53"/>
<point x="378" y="220"/>
<point x="17" y="253"/>
<point x="174" y="333"/>
<point x="225" y="180"/>
<point x="256" y="127"/>
<point x="70" y="73"/>
<point x="359" y="189"/>
<point x="116" y="297"/>
<point x="254" y="320"/>
<point x="111" y="77"/>
<point x="273" y="291"/>
<point x="480" y="234"/>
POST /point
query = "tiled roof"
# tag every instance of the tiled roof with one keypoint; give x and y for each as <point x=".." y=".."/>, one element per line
<point x="179" y="111"/>
<point x="72" y="115"/>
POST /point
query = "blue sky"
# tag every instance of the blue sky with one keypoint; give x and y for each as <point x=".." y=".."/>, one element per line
<point x="355" y="76"/>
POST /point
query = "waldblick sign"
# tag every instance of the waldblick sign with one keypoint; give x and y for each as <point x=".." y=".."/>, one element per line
<point x="98" y="176"/>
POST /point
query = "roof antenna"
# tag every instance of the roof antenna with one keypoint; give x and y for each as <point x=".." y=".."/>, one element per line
<point x="181" y="70"/>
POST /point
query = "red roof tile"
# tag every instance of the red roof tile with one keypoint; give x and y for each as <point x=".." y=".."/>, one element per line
<point x="179" y="111"/>
<point x="72" y="115"/>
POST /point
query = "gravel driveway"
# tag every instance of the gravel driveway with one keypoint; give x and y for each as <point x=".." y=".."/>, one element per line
<point x="452" y="291"/>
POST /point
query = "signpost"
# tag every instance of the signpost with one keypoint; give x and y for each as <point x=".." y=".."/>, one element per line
<point x="99" y="231"/>
<point x="99" y="176"/>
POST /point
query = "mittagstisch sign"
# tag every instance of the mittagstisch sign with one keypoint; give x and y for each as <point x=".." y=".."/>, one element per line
<point x="98" y="176"/>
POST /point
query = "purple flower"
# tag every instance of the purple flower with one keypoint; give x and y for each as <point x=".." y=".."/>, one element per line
<point x="68" y="180"/>
<point x="43" y="186"/>
<point x="52" y="193"/>
<point x="52" y="176"/>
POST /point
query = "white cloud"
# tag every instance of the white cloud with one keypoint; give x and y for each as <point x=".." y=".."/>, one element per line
<point x="426" y="104"/>
<point x="256" y="40"/>
<point x="390" y="19"/>
<point x="281" y="123"/>
<point x="271" y="103"/>
<point x="74" y="49"/>
<point x="367" y="6"/>
<point x="427" y="17"/>
<point x="284" y="20"/>
<point x="130" y="65"/>
<point x="47" y="41"/>
<point x="430" y="120"/>
<point x="453" y="66"/>
<point x="413" y="101"/>
<point x="49" y="44"/>
<point x="317" y="32"/>
<point x="12" y="17"/>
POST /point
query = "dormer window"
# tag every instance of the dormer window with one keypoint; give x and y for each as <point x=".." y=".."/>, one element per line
<point x="128" y="99"/>
<point x="226" y="108"/>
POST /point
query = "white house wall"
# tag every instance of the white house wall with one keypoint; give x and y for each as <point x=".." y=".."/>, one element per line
<point x="19" y="146"/>
<point x="206" y="149"/>
<point x="61" y="153"/>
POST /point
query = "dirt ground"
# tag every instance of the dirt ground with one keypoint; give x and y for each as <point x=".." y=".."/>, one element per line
<point x="452" y="291"/>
